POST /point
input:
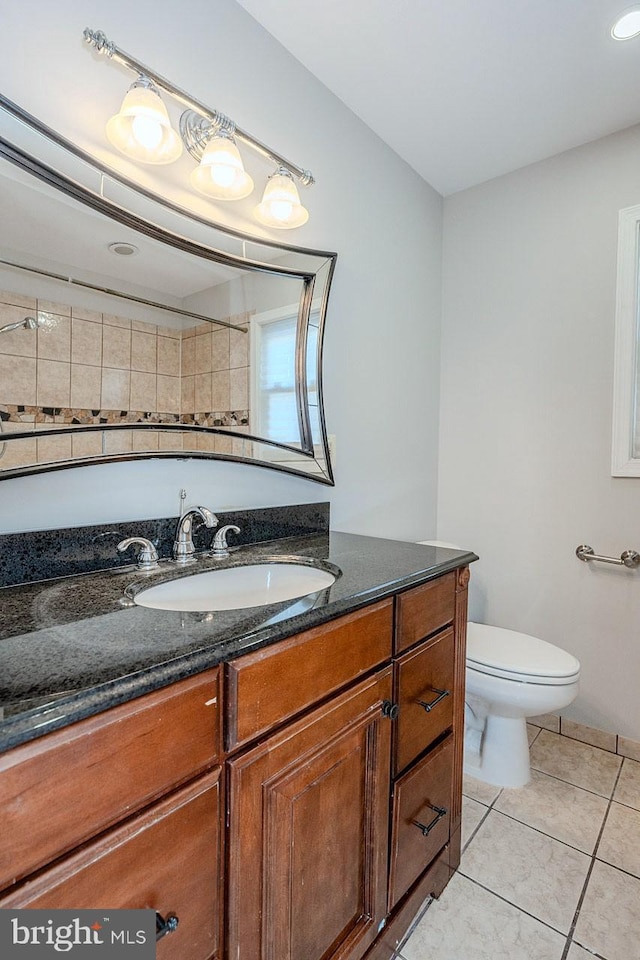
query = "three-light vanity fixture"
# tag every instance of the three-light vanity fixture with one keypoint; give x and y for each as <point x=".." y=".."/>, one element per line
<point x="142" y="131"/>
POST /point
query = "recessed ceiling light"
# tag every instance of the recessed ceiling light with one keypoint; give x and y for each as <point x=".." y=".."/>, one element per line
<point x="627" y="25"/>
<point x="123" y="249"/>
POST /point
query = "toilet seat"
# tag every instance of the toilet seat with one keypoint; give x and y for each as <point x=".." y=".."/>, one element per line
<point x="517" y="656"/>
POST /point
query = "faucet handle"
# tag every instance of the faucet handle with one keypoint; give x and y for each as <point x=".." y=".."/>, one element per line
<point x="220" y="547"/>
<point x="147" y="556"/>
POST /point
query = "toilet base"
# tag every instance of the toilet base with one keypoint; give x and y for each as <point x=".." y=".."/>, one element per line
<point x="504" y="758"/>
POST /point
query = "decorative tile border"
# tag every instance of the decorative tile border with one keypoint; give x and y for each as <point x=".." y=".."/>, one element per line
<point x="218" y="418"/>
<point x="69" y="416"/>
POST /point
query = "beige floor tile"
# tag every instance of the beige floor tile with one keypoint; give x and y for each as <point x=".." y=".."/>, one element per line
<point x="527" y="868"/>
<point x="597" y="738"/>
<point x="532" y="732"/>
<point x="576" y="952"/>
<point x="558" y="809"/>
<point x="629" y="748"/>
<point x="412" y="926"/>
<point x="472" y="814"/>
<point x="609" y="921"/>
<point x="628" y="788"/>
<point x="469" y="923"/>
<point x="578" y="763"/>
<point x="477" y="790"/>
<point x="620" y="843"/>
<point x="548" y="721"/>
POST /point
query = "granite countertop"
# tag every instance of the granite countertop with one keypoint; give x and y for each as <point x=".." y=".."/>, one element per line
<point x="73" y="646"/>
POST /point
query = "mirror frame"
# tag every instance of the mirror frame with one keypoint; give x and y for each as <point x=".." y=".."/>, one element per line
<point x="96" y="201"/>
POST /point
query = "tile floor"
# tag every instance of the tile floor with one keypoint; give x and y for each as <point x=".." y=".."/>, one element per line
<point x="550" y="871"/>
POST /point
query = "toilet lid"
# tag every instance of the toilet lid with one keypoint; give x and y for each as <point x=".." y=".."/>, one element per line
<point x="506" y="653"/>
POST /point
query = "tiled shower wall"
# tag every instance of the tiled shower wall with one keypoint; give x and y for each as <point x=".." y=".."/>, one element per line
<point x="215" y="374"/>
<point x="88" y="367"/>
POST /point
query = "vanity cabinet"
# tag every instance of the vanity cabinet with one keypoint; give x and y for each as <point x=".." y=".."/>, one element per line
<point x="299" y="802"/>
<point x="124" y="810"/>
<point x="344" y="804"/>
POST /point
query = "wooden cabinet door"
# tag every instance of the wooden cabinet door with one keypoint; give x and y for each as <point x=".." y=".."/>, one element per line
<point x="308" y="840"/>
<point x="167" y="858"/>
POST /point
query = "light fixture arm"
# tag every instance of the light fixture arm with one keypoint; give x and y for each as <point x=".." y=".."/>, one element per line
<point x="196" y="130"/>
<point x="98" y="40"/>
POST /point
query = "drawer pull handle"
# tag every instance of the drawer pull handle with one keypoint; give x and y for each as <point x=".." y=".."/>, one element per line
<point x="425" y="829"/>
<point x="390" y="709"/>
<point x="441" y="694"/>
<point x="163" y="927"/>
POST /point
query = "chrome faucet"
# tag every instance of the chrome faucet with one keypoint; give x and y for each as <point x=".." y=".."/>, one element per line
<point x="183" y="548"/>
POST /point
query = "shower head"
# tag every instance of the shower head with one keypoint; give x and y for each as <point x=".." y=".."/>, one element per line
<point x="29" y="323"/>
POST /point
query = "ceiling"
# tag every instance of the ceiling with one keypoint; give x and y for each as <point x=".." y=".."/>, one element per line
<point x="463" y="90"/>
<point x="32" y="213"/>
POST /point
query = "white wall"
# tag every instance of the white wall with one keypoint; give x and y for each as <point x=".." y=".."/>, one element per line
<point x="382" y="341"/>
<point x="529" y="299"/>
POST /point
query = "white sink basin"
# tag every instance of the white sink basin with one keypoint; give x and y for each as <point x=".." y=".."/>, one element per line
<point x="233" y="588"/>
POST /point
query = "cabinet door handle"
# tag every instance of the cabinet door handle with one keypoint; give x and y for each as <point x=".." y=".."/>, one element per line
<point x="426" y="829"/>
<point x="163" y="927"/>
<point x="429" y="705"/>
<point x="390" y="709"/>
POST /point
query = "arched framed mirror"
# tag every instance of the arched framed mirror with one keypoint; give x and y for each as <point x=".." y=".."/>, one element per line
<point x="129" y="327"/>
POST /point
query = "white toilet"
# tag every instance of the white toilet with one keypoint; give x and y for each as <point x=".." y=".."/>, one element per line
<point x="510" y="676"/>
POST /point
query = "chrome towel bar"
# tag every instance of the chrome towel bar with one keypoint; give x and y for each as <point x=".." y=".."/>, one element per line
<point x="628" y="558"/>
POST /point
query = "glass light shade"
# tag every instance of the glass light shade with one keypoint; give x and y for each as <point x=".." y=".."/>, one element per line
<point x="221" y="173"/>
<point x="627" y="25"/>
<point x="142" y="130"/>
<point x="281" y="205"/>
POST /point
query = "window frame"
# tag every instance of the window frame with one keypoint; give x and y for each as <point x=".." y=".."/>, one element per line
<point x="626" y="372"/>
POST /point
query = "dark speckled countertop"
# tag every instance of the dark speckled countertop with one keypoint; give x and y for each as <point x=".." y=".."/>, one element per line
<point x="73" y="646"/>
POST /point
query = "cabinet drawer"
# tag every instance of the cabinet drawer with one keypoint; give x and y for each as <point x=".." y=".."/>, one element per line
<point x="424" y="676"/>
<point x="167" y="858"/>
<point x="416" y="794"/>
<point x="424" y="610"/>
<point x="273" y="684"/>
<point x="63" y="788"/>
